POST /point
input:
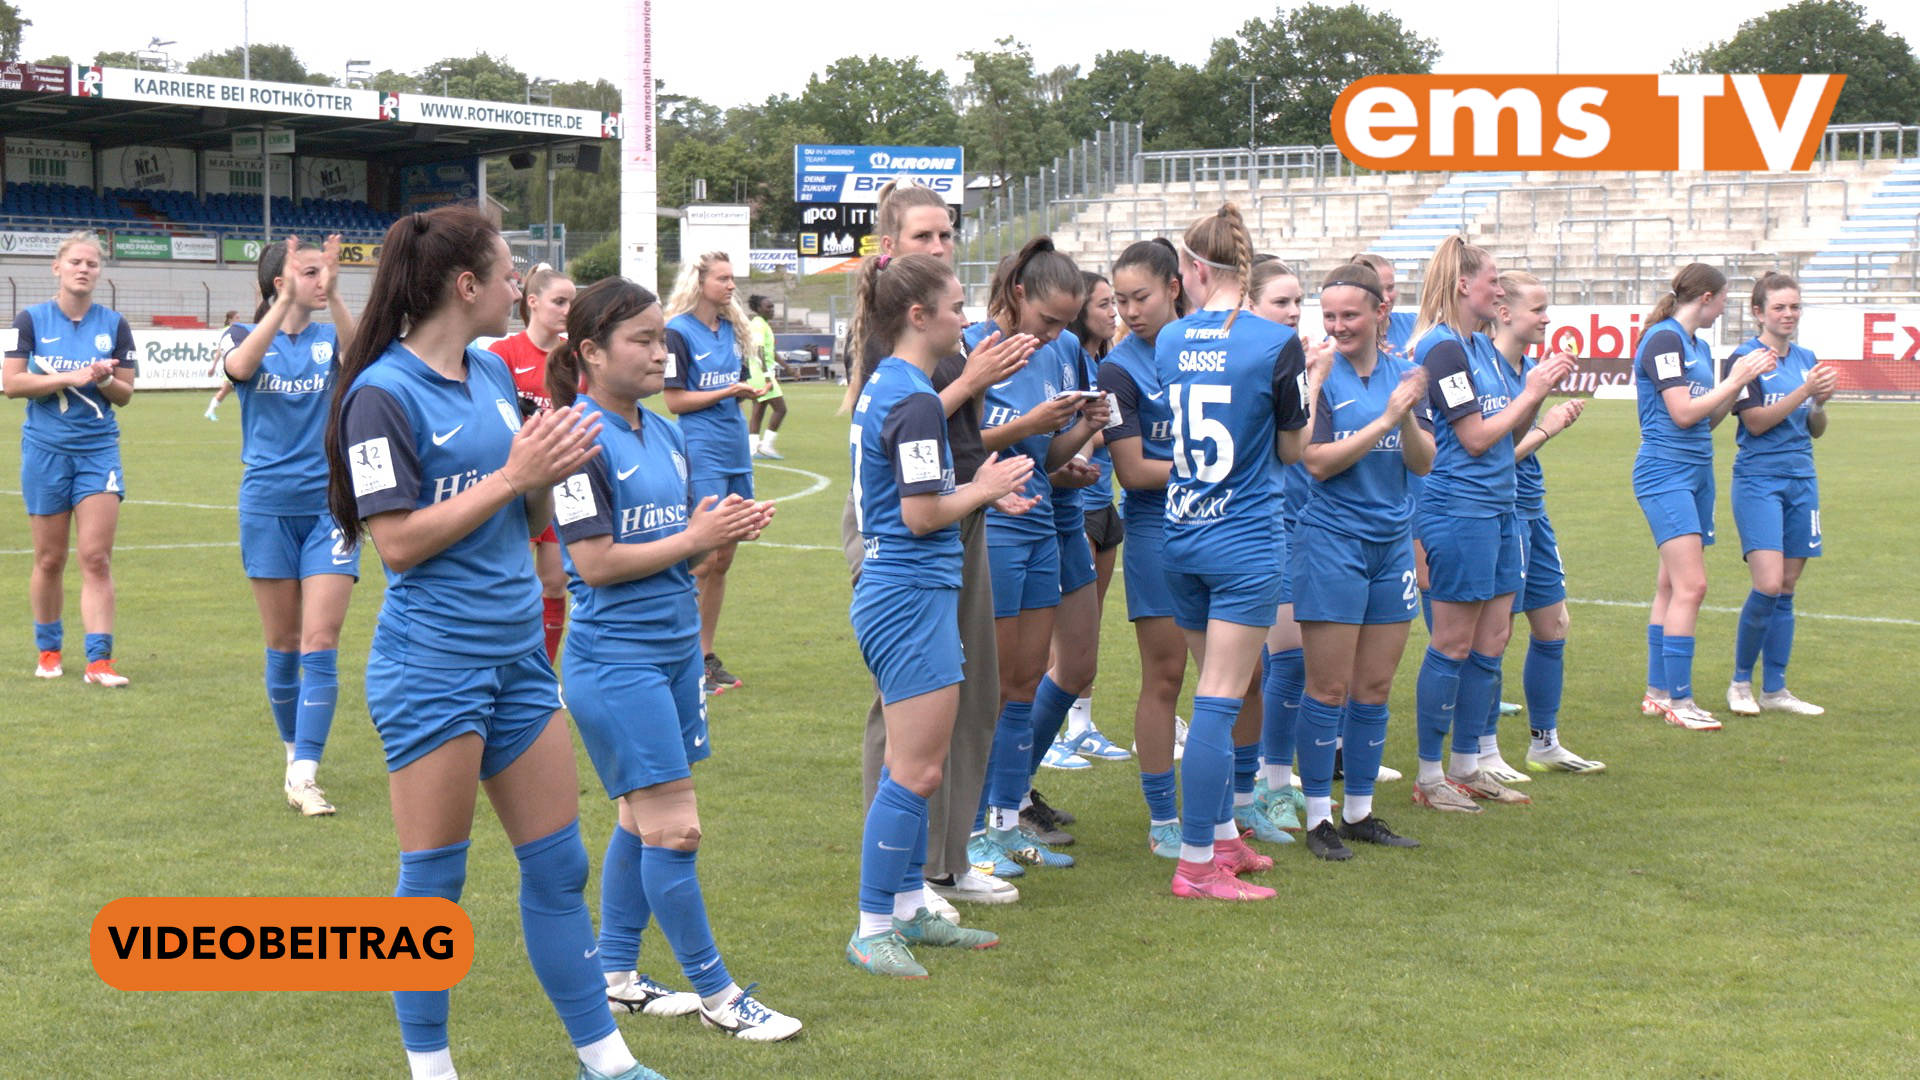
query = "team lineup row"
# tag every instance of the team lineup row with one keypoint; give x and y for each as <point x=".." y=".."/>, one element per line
<point x="428" y="450"/>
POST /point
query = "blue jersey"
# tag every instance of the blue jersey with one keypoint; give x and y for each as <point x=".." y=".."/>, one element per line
<point x="1099" y="495"/>
<point x="1070" y="504"/>
<point x="1230" y="391"/>
<point x="1138" y="407"/>
<point x="1371" y="500"/>
<point x="1399" y="331"/>
<point x="1466" y="376"/>
<point x="283" y="421"/>
<point x="1030" y="387"/>
<point x="413" y="438"/>
<point x="898" y="444"/>
<point x="1668" y="356"/>
<point x="1786" y="448"/>
<point x="700" y="359"/>
<point x="1529" y="482"/>
<point x="635" y="491"/>
<point x="76" y="420"/>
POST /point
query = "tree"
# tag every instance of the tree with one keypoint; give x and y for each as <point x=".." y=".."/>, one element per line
<point x="268" y="63"/>
<point x="12" y="26"/>
<point x="1006" y="127"/>
<point x="878" y="100"/>
<point x="1817" y="37"/>
<point x="116" y="59"/>
<point x="1306" y="58"/>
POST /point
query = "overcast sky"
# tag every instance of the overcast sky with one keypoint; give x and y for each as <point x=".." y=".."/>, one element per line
<point x="735" y="53"/>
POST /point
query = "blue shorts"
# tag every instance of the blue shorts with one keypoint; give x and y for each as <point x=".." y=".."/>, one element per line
<point x="273" y="546"/>
<point x="1344" y="579"/>
<point x="1677" y="502"/>
<point x="1472" y="559"/>
<point x="1026" y="575"/>
<point x="417" y="709"/>
<point x="1145" y="576"/>
<point x="644" y="722"/>
<point x="740" y="484"/>
<point x="1546" y="578"/>
<point x="1076" y="561"/>
<point x="1246" y="599"/>
<point x="1285" y="553"/>
<point x="1777" y="513"/>
<point x="54" y="481"/>
<point x="909" y="636"/>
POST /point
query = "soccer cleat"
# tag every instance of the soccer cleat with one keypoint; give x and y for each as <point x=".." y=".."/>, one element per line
<point x="990" y="860"/>
<point x="1387" y="775"/>
<point x="1508" y="708"/>
<point x="1782" y="700"/>
<point x="1164" y="840"/>
<point x="1236" y="858"/>
<point x="1484" y="785"/>
<point x="49" y="666"/>
<point x="1249" y="819"/>
<point x="743" y="1017"/>
<point x="1443" y="794"/>
<point x="719" y="678"/>
<point x="1060" y="817"/>
<point x="1284" y="807"/>
<point x="1061" y="756"/>
<point x="1038" y="823"/>
<point x="1026" y="851"/>
<point x="638" y="1072"/>
<point x="1324" y="842"/>
<point x="1740" y="699"/>
<point x="975" y="887"/>
<point x="926" y="928"/>
<point x="884" y="954"/>
<point x="1653" y="704"/>
<point x="1092" y="744"/>
<point x="1496" y="766"/>
<point x="1560" y="758"/>
<point x="1372" y="830"/>
<point x="307" y="798"/>
<point x="638" y="993"/>
<point x="101" y="673"/>
<point x="939" y="906"/>
<point x="213" y="410"/>
<point x="1205" y="881"/>
<point x="1686" y="714"/>
<point x="768" y="453"/>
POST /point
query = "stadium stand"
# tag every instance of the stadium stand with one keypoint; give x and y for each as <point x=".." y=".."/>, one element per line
<point x="65" y="206"/>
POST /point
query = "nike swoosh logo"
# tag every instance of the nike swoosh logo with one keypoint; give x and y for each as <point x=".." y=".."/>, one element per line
<point x="1342" y="404"/>
<point x="702" y="356"/>
<point x="49" y="341"/>
<point x="1024" y="747"/>
<point x="279" y="700"/>
<point x="311" y="704"/>
<point x="1382" y="742"/>
<point x="441" y="440"/>
<point x="1002" y="385"/>
<point x="700" y="740"/>
<point x="1446" y="708"/>
<point x="1156" y="397"/>
<point x="709" y="963"/>
<point x="628" y="471"/>
<point x="524" y="370"/>
<point x="884" y="846"/>
<point x="342" y="562"/>
<point x="1325" y="742"/>
<point x="591" y="953"/>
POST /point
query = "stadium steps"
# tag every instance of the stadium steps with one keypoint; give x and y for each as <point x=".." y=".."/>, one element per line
<point x="1452" y="209"/>
<point x="1866" y="246"/>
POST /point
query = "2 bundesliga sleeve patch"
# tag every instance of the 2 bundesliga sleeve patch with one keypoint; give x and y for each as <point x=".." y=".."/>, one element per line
<point x="1456" y="389"/>
<point x="371" y="463"/>
<point x="573" y="500"/>
<point x="1666" y="365"/>
<point x="920" y="461"/>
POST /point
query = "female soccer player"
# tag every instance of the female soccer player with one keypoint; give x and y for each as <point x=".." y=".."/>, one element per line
<point x="707" y="334"/>
<point x="1235" y="386"/>
<point x="1776" y="497"/>
<point x="1520" y="323"/>
<point x="1673" y="474"/>
<point x="300" y="566"/>
<point x="428" y="454"/>
<point x="74" y="362"/>
<point x="906" y="602"/>
<point x="1475" y="554"/>
<point x="1398" y="330"/>
<point x="1352" y="557"/>
<point x="1042" y="413"/>
<point x="763" y="375"/>
<point x="543" y="311"/>
<point x="633" y="660"/>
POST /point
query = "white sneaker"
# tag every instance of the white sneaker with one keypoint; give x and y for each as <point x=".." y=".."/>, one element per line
<point x="1686" y="714"/>
<point x="1387" y="775"/>
<point x="1784" y="701"/>
<point x="1740" y="699"/>
<point x="940" y="908"/>
<point x="1498" y="768"/>
<point x="976" y="887"/>
<point x="1540" y="759"/>
<point x="307" y="798"/>
<point x="745" y="1018"/>
<point x="1061" y="756"/>
<point x="639" y="994"/>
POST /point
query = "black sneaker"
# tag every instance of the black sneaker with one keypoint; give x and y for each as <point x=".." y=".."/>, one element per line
<point x="719" y="679"/>
<point x="1060" y="817"/>
<point x="1038" y="822"/>
<point x="1324" y="842"/>
<point x="1371" y="830"/>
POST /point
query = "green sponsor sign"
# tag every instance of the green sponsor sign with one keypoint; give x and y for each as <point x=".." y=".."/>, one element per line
<point x="239" y="249"/>
<point x="142" y="247"/>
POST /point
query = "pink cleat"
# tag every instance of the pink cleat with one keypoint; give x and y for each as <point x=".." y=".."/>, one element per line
<point x="1236" y="858"/>
<point x="1207" y="881"/>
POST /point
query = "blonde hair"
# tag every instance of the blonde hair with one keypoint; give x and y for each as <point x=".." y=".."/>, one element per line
<point x="1694" y="281"/>
<point x="1221" y="241"/>
<point x="1440" y="292"/>
<point x="898" y="196"/>
<point x="686" y="294"/>
<point x="1264" y="274"/>
<point x="1512" y="281"/>
<point x="538" y="278"/>
<point x="79" y="236"/>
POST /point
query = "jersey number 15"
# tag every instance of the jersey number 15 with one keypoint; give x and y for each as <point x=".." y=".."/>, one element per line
<point x="1192" y="427"/>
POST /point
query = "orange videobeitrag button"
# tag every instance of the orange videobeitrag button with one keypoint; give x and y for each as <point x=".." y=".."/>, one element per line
<point x="281" y="943"/>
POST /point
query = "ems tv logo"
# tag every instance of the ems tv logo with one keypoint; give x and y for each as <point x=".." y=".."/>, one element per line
<point x="1668" y="123"/>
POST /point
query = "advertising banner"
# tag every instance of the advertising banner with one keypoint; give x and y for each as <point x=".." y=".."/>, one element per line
<point x="129" y="246"/>
<point x="226" y="173"/>
<point x="148" y="168"/>
<point x="855" y="174"/>
<point x="36" y="78"/>
<point x="332" y="178"/>
<point x="48" y="161"/>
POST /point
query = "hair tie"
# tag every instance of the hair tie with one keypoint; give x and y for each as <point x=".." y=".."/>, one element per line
<point x="880" y="262"/>
<point x="1191" y="254"/>
<point x="419" y="223"/>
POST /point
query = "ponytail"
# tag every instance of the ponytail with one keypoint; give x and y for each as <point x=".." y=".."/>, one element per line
<point x="538" y="278"/>
<point x="1039" y="270"/>
<point x="1222" y="243"/>
<point x="1694" y="281"/>
<point x="1440" y="289"/>
<point x="886" y="290"/>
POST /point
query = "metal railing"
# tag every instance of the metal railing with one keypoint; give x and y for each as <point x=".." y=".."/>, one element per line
<point x="1241" y="165"/>
<point x="1016" y="211"/>
<point x="1806" y="186"/>
<point x="1833" y="144"/>
<point x="1632" y="221"/>
<point x="1260" y="201"/>
<point x="1533" y="200"/>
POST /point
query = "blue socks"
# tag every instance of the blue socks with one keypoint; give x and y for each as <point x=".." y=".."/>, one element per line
<point x="624" y="910"/>
<point x="1435" y="696"/>
<point x="1246" y="768"/>
<point x="1477" y="697"/>
<point x="1366" y="745"/>
<point x="1206" y="769"/>
<point x="99" y="647"/>
<point x="47" y="635"/>
<point x="1009" y="767"/>
<point x="319" y="689"/>
<point x="1656" y="658"/>
<point x="1492" y="724"/>
<point x="1319" y="731"/>
<point x="438" y="872"/>
<point x="896" y="825"/>
<point x="1050" y="705"/>
<point x="283" y="691"/>
<point x="1756" y="620"/>
<point x="1157" y="787"/>
<point x="559" y="932"/>
<point x="1779" y="646"/>
<point x="1677" y="651"/>
<point x="1543" y="677"/>
<point x="673" y="891"/>
<point x="1281" y="684"/>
